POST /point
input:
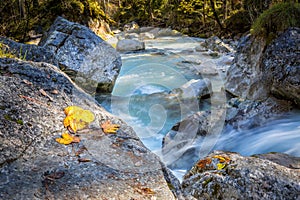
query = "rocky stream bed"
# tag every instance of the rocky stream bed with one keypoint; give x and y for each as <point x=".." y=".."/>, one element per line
<point x="71" y="66"/>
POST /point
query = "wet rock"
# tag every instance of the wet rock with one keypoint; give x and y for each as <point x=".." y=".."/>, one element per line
<point x="200" y="88"/>
<point x="131" y="27"/>
<point x="146" y="29"/>
<point x="226" y="175"/>
<point x="182" y="144"/>
<point x="212" y="54"/>
<point x="225" y="61"/>
<point x="192" y="61"/>
<point x="281" y="66"/>
<point x="164" y="32"/>
<point x="245" y="73"/>
<point x="247" y="114"/>
<point x="167" y="32"/>
<point x="214" y="44"/>
<point x="146" y="36"/>
<point x="130" y="45"/>
<point x="131" y="36"/>
<point x="260" y="74"/>
<point x="29" y="52"/>
<point x="200" y="48"/>
<point x="177" y="143"/>
<point x="91" y="62"/>
<point x="34" y="166"/>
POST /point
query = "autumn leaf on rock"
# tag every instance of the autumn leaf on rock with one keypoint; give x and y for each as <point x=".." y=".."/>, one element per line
<point x="72" y="109"/>
<point x="108" y="127"/>
<point x="221" y="166"/>
<point x="204" y="163"/>
<point x="77" y="118"/>
<point x="222" y="161"/>
<point x="222" y="158"/>
<point x="66" y="138"/>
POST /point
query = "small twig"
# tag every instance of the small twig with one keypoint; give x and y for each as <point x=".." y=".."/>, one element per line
<point x="43" y="92"/>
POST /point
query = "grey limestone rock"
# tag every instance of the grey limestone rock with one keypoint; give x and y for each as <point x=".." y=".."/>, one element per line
<point x="91" y="62"/>
<point x="226" y="175"/>
<point x="34" y="166"/>
<point x="215" y="44"/>
<point x="260" y="71"/>
<point x="247" y="114"/>
<point x="281" y="66"/>
<point x="244" y="73"/>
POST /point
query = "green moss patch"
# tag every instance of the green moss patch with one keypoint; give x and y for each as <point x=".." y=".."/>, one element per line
<point x="276" y="19"/>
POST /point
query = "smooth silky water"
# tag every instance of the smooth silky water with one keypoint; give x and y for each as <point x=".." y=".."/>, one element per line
<point x="140" y="98"/>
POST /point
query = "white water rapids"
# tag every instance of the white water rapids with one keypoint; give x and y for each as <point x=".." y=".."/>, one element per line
<point x="169" y="63"/>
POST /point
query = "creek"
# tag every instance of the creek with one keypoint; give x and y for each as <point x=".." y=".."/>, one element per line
<point x="140" y="97"/>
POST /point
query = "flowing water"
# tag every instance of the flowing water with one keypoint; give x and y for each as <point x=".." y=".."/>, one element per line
<point x="140" y="97"/>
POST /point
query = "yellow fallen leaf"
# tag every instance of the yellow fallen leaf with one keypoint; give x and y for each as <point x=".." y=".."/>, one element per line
<point x="72" y="109"/>
<point x="87" y="116"/>
<point x="77" y="118"/>
<point x="222" y="158"/>
<point x="221" y="166"/>
<point x="108" y="127"/>
<point x="66" y="138"/>
<point x="67" y="121"/>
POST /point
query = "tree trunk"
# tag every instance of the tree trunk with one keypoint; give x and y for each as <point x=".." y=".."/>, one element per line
<point x="22" y="8"/>
<point x="212" y="3"/>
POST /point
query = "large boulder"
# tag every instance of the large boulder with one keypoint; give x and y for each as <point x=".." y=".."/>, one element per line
<point x="281" y="66"/>
<point x="260" y="71"/>
<point x="226" y="175"/>
<point x="91" y="62"/>
<point x="34" y="166"/>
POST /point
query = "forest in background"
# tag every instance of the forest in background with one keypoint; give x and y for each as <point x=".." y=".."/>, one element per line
<point x="23" y="19"/>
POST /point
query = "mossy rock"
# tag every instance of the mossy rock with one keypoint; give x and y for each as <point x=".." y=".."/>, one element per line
<point x="4" y="51"/>
<point x="276" y="20"/>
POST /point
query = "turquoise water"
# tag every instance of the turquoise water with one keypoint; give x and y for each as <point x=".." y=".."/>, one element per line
<point x="140" y="97"/>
